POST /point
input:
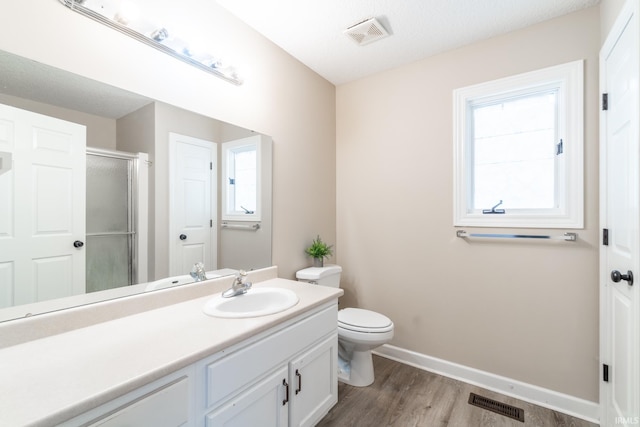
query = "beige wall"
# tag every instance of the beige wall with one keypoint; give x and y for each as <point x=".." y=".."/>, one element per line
<point x="609" y="10"/>
<point x="101" y="132"/>
<point x="524" y="310"/>
<point x="280" y="97"/>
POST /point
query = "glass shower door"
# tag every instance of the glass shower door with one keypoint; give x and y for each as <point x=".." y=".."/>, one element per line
<point x="110" y="234"/>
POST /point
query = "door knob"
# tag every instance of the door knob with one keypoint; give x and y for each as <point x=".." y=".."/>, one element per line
<point x="78" y="244"/>
<point x="183" y="237"/>
<point x="616" y="276"/>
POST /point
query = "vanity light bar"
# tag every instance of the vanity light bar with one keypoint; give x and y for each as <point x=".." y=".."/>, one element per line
<point x="155" y="42"/>
<point x="569" y="237"/>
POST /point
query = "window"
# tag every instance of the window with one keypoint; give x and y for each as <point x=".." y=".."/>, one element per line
<point x="519" y="150"/>
<point x="242" y="179"/>
<point x="241" y="185"/>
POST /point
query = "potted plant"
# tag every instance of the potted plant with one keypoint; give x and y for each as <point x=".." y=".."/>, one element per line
<point x="318" y="251"/>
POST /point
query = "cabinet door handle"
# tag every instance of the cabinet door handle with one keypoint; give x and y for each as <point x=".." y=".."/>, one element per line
<point x="299" y="389"/>
<point x="286" y="396"/>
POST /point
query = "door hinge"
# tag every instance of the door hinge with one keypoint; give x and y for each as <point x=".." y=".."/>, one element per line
<point x="605" y="373"/>
<point x="605" y="101"/>
<point x="559" y="148"/>
<point x="605" y="236"/>
<point x="210" y="223"/>
<point x="210" y="165"/>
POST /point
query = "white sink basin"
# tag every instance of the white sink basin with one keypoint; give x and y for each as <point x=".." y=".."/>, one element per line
<point x="256" y="302"/>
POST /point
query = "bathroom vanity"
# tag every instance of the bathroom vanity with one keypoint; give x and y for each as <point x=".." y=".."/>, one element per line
<point x="175" y="366"/>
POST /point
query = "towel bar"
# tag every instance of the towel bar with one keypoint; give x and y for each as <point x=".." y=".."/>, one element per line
<point x="254" y="227"/>
<point x="569" y="237"/>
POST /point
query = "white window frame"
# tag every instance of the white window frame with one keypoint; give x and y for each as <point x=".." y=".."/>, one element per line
<point x="569" y="213"/>
<point x="228" y="210"/>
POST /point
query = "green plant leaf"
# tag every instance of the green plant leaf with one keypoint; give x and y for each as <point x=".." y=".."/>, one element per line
<point x="319" y="249"/>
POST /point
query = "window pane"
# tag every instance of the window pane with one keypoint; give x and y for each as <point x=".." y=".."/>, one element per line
<point x="245" y="188"/>
<point x="514" y="144"/>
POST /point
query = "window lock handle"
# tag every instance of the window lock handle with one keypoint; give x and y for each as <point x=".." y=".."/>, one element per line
<point x="493" y="210"/>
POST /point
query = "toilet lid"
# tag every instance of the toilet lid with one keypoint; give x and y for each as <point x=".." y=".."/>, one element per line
<point x="358" y="319"/>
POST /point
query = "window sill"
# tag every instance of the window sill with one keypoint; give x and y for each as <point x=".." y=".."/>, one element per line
<point x="518" y="221"/>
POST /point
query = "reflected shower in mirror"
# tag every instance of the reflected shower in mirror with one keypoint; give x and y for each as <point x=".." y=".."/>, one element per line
<point x="128" y="132"/>
<point x="114" y="198"/>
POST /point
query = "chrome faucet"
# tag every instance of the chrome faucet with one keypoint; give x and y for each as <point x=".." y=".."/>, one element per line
<point x="198" y="273"/>
<point x="240" y="286"/>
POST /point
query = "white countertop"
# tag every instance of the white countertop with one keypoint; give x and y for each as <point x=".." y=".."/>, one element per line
<point x="52" y="379"/>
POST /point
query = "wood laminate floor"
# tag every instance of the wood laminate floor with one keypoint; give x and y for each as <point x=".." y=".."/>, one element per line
<point x="404" y="396"/>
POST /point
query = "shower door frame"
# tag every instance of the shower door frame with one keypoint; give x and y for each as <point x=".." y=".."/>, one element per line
<point x="138" y="202"/>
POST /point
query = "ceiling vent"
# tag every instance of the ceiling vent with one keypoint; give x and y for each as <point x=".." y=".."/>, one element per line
<point x="366" y="32"/>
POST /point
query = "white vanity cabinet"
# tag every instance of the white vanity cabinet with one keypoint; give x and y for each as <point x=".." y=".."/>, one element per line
<point x="165" y="402"/>
<point x="283" y="376"/>
<point x="286" y="379"/>
<point x="297" y="394"/>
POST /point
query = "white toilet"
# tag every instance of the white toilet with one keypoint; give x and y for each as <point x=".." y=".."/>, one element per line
<point x="359" y="331"/>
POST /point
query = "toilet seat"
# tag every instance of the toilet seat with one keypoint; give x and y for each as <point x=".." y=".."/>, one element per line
<point x="360" y="320"/>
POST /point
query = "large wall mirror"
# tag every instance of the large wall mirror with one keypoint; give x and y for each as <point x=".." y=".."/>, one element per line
<point x="161" y="163"/>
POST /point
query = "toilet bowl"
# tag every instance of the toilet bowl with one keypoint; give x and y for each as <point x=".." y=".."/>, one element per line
<point x="359" y="330"/>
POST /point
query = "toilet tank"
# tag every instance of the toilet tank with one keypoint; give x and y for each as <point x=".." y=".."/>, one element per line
<point x="329" y="275"/>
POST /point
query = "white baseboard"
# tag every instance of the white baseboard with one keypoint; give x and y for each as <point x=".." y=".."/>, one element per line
<point x="560" y="402"/>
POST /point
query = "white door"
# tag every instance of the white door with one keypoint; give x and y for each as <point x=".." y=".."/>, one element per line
<point x="42" y="207"/>
<point x="192" y="236"/>
<point x="620" y="215"/>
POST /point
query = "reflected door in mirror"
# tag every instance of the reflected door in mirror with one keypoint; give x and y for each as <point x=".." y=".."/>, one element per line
<point x="193" y="237"/>
<point x="40" y="219"/>
<point x="111" y="211"/>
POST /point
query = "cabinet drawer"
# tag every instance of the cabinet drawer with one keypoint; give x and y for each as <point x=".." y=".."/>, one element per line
<point x="167" y="406"/>
<point x="226" y="376"/>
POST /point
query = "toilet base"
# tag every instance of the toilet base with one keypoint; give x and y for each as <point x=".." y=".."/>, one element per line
<point x="361" y="369"/>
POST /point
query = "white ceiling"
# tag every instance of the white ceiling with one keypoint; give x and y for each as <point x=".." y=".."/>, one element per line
<point x="312" y="30"/>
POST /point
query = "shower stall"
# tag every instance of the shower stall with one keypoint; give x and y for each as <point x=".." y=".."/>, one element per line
<point x="116" y="203"/>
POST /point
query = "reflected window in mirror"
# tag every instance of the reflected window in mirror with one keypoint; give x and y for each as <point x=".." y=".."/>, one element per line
<point x="241" y="178"/>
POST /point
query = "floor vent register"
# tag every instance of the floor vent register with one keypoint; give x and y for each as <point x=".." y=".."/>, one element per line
<point x="497" y="407"/>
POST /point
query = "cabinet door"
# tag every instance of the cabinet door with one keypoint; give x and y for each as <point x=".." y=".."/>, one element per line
<point x="314" y="383"/>
<point x="168" y="406"/>
<point x="264" y="404"/>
